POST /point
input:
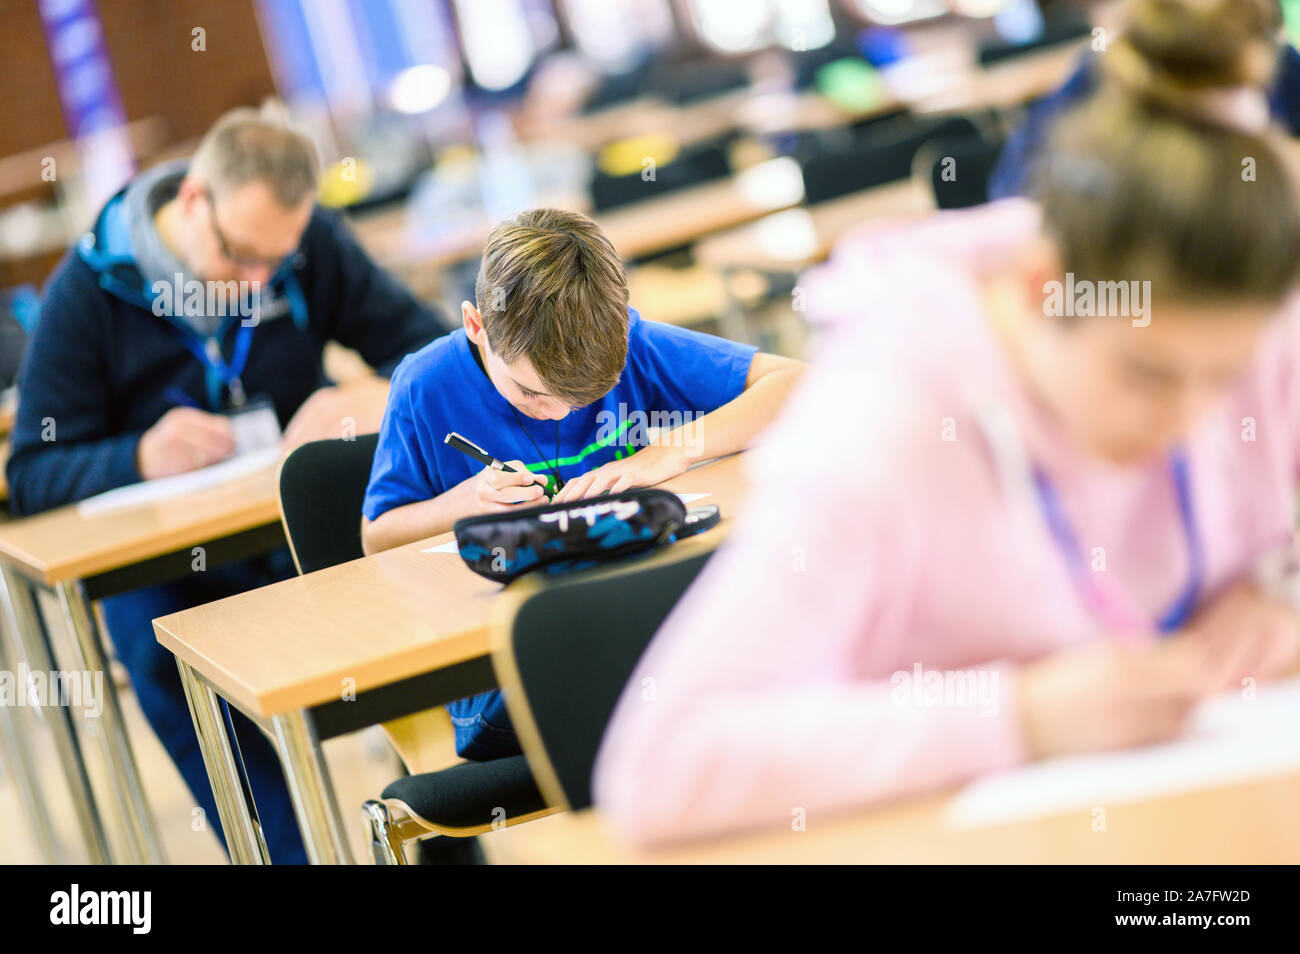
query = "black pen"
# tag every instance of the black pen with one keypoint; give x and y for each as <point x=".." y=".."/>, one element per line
<point x="470" y="449"/>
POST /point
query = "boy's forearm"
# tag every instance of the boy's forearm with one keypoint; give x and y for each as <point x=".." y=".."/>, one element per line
<point x="417" y="521"/>
<point x="734" y="426"/>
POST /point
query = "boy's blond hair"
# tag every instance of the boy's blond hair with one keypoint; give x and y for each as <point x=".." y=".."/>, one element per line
<point x="551" y="288"/>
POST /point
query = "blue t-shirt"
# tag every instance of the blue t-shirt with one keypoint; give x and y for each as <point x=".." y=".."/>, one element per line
<point x="670" y="372"/>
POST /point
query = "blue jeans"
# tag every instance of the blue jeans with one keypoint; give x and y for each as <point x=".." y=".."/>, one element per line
<point x="483" y="727"/>
<point x="157" y="685"/>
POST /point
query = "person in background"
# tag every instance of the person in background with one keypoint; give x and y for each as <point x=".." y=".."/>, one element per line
<point x="1278" y="72"/>
<point x="128" y="377"/>
<point x="1062" y="504"/>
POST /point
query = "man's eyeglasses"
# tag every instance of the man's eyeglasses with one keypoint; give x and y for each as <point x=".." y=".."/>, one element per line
<point x="239" y="259"/>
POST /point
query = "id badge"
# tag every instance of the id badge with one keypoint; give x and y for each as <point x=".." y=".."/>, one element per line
<point x="255" y="425"/>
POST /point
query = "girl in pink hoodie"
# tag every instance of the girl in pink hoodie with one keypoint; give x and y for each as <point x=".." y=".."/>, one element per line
<point x="1022" y="507"/>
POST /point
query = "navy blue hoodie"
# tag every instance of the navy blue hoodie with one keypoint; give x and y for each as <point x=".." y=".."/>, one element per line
<point x="101" y="367"/>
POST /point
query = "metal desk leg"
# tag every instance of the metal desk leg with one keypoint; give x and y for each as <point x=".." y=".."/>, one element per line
<point x="20" y="618"/>
<point x="142" y="829"/>
<point x="18" y="756"/>
<point x="238" y="819"/>
<point x="310" y="789"/>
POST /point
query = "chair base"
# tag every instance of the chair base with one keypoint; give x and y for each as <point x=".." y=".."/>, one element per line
<point x="391" y="824"/>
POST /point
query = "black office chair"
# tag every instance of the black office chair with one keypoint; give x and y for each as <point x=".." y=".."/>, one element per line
<point x="693" y="166"/>
<point x="957" y="169"/>
<point x="1060" y="25"/>
<point x="322" y="486"/>
<point x="696" y="80"/>
<point x="881" y="153"/>
<point x="13" y="332"/>
<point x="567" y="649"/>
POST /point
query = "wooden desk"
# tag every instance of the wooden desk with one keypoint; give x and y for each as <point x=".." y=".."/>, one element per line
<point x="694" y="295"/>
<point x="400" y="631"/>
<point x="1255" y="823"/>
<point x="797" y="238"/>
<point x="1001" y="85"/>
<point x="81" y="559"/>
<point x="636" y="230"/>
<point x="679" y="218"/>
<point x="63" y="544"/>
<point x="750" y="108"/>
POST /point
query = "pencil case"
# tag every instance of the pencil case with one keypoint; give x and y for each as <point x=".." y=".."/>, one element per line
<point x="560" y="538"/>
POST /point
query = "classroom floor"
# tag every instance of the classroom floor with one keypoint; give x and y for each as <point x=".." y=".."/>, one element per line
<point x="361" y="765"/>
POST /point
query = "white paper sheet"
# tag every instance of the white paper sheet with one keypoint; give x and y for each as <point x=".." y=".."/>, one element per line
<point x="151" y="491"/>
<point x="1230" y="740"/>
<point x="450" y="545"/>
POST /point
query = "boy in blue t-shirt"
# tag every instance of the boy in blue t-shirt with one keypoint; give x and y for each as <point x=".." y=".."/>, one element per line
<point x="555" y="375"/>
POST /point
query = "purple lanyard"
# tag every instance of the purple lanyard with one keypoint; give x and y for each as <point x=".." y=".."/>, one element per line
<point x="1085" y="580"/>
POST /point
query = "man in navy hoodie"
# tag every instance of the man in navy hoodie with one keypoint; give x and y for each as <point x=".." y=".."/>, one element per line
<point x="130" y="369"/>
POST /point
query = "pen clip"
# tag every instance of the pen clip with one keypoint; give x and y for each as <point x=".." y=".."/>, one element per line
<point x="466" y="441"/>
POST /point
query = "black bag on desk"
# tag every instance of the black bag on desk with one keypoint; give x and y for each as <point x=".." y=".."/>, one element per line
<point x="576" y="535"/>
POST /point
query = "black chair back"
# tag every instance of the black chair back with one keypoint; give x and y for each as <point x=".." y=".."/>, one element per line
<point x="1061" y="25"/>
<point x="574" y="644"/>
<point x="696" y="80"/>
<point x="13" y="342"/>
<point x="959" y="170"/>
<point x="882" y="153"/>
<point x="692" y="167"/>
<point x="322" y="486"/>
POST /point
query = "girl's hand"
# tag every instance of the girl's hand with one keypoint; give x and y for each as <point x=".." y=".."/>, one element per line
<point x="1108" y="696"/>
<point x="1245" y="632"/>
<point x="648" y="466"/>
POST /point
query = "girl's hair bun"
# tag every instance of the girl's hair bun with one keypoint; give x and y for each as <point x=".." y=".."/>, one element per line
<point x="1173" y="51"/>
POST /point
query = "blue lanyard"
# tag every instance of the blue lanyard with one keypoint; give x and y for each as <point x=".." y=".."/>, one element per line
<point x="218" y="373"/>
<point x="1085" y="581"/>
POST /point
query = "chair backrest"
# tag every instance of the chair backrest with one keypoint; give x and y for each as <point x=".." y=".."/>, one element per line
<point x="569" y="647"/>
<point x="322" y="486"/>
<point x="700" y="79"/>
<point x="957" y="169"/>
<point x="19" y="309"/>
<point x="881" y="153"/>
<point x="1061" y="25"/>
<point x="693" y="166"/>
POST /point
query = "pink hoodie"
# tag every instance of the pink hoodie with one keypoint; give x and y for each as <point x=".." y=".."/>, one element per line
<point x="886" y="544"/>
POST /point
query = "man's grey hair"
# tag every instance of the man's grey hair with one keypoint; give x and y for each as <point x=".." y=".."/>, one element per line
<point x="260" y="145"/>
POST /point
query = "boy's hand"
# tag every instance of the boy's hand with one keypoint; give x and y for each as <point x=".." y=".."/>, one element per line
<point x="496" y="490"/>
<point x="1107" y="696"/>
<point x="645" y="468"/>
